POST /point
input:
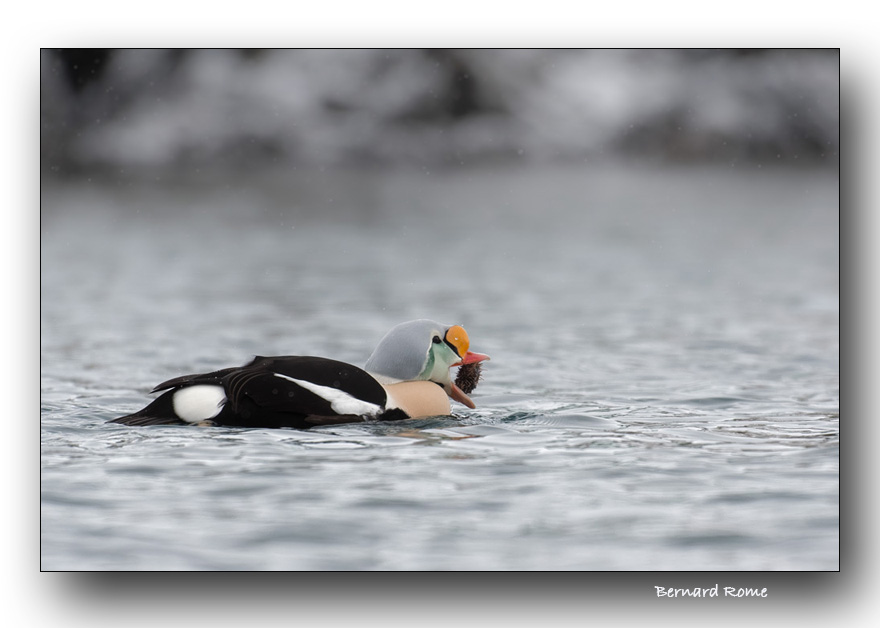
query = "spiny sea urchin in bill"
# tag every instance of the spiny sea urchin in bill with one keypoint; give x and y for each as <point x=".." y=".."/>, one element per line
<point x="468" y="376"/>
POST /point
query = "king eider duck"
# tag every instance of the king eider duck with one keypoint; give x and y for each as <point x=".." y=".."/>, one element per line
<point x="407" y="376"/>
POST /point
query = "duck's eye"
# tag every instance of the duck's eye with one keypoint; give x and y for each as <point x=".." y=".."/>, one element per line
<point x="437" y="340"/>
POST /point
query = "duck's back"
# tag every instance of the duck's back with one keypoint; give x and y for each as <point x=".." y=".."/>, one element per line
<point x="282" y="391"/>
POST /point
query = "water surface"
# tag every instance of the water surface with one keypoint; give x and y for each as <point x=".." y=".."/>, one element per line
<point x="663" y="391"/>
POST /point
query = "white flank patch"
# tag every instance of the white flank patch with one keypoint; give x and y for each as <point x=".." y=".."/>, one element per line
<point x="340" y="401"/>
<point x="198" y="403"/>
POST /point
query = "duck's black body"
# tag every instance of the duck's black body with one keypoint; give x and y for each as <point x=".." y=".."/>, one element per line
<point x="263" y="393"/>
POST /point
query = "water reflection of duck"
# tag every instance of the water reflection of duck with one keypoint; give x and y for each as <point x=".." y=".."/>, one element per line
<point x="407" y="376"/>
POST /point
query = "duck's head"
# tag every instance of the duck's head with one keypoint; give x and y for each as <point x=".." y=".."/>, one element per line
<point x="424" y="350"/>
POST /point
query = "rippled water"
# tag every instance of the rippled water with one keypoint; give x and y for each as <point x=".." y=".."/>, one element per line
<point x="663" y="391"/>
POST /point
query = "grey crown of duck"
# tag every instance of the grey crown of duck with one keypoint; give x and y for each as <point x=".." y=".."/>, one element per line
<point x="407" y="376"/>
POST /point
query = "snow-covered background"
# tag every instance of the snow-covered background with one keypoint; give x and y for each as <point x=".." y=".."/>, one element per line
<point x="186" y="110"/>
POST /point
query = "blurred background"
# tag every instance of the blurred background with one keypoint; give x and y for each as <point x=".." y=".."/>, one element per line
<point x="291" y="194"/>
<point x="190" y="110"/>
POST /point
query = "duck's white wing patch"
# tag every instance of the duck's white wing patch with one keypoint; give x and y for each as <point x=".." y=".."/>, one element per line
<point x="198" y="403"/>
<point x="340" y="401"/>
